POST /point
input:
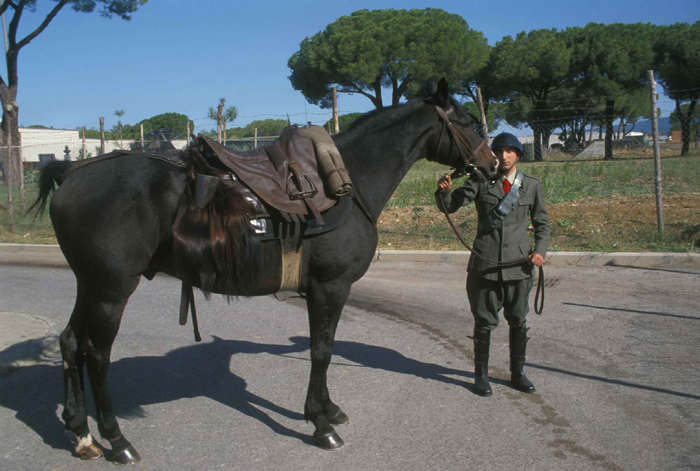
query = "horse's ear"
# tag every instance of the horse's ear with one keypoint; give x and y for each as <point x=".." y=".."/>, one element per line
<point x="443" y="92"/>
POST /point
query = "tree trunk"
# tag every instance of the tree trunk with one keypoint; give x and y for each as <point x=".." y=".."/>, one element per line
<point x="609" y="130"/>
<point x="537" y="145"/>
<point x="378" y="103"/>
<point x="545" y="135"/>
<point x="10" y="114"/>
<point x="686" y="120"/>
<point x="482" y="113"/>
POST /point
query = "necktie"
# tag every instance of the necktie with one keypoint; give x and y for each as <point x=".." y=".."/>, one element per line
<point x="506" y="185"/>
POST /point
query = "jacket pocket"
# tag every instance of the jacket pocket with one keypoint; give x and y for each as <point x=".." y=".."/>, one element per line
<point x="525" y="248"/>
<point x="524" y="206"/>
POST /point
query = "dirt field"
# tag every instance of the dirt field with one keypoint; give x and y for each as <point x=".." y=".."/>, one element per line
<point x="608" y="224"/>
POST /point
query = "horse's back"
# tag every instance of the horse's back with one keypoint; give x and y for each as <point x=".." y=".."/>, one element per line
<point x="110" y="216"/>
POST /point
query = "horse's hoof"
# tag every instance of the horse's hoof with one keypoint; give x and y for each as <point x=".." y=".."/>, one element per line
<point x="339" y="418"/>
<point x="89" y="452"/>
<point x="329" y="441"/>
<point x="127" y="456"/>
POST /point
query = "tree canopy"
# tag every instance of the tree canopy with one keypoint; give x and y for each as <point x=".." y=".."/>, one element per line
<point x="344" y="121"/>
<point x="678" y="57"/>
<point x="370" y="50"/>
<point x="266" y="127"/>
<point x="529" y="72"/>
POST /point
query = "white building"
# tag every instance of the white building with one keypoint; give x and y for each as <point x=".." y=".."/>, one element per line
<point x="44" y="145"/>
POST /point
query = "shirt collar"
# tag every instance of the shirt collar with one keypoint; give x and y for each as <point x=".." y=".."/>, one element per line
<point x="511" y="177"/>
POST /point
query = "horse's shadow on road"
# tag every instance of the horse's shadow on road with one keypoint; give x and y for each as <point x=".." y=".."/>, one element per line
<point x="201" y="370"/>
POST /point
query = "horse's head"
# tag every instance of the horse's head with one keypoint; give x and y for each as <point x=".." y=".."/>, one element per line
<point x="458" y="145"/>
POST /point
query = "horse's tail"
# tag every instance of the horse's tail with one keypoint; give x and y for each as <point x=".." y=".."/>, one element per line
<point x="50" y="178"/>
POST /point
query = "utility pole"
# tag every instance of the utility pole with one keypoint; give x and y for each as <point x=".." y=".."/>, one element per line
<point x="84" y="150"/>
<point x="219" y="115"/>
<point x="142" y="142"/>
<point x="336" y="125"/>
<point x="102" y="135"/>
<point x="8" y="177"/>
<point x="482" y="113"/>
<point x="657" y="152"/>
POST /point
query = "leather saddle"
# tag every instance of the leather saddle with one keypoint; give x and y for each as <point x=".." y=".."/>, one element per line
<point x="283" y="174"/>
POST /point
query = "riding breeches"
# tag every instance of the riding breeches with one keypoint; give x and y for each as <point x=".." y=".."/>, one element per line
<point x="487" y="297"/>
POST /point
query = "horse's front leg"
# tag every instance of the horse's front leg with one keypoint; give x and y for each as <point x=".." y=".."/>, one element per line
<point x="325" y="303"/>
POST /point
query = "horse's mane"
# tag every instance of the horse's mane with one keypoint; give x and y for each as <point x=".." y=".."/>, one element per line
<point x="215" y="244"/>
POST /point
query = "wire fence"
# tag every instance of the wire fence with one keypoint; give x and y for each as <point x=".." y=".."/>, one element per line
<point x="575" y="134"/>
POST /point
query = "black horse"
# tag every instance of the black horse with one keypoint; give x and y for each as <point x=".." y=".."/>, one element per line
<point x="118" y="219"/>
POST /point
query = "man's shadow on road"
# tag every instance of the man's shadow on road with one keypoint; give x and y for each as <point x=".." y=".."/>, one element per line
<point x="200" y="370"/>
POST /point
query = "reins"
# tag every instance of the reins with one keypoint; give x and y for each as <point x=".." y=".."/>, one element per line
<point x="468" y="169"/>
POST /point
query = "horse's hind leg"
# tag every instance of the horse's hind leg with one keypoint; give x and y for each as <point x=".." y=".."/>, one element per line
<point x="325" y="304"/>
<point x="88" y="339"/>
<point x="104" y="318"/>
<point x="73" y="345"/>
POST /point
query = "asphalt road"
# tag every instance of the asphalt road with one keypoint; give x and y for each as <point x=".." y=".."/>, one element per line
<point x="615" y="358"/>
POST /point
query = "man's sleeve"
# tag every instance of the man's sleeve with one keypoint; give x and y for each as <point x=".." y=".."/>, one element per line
<point x="462" y="196"/>
<point x="540" y="222"/>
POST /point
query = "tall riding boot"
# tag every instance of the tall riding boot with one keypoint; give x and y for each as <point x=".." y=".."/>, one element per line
<point x="482" y="340"/>
<point x="518" y="341"/>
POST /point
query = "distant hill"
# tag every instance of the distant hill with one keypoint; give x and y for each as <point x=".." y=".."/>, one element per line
<point x="645" y="126"/>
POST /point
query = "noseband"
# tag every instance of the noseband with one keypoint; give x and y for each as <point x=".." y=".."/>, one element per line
<point x="466" y="154"/>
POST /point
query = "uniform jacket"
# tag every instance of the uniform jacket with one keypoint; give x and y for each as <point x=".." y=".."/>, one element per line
<point x="510" y="241"/>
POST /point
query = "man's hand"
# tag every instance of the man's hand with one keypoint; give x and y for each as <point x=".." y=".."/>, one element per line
<point x="445" y="184"/>
<point x="537" y="259"/>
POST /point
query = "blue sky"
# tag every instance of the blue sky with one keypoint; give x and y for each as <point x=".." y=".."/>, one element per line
<point x="182" y="56"/>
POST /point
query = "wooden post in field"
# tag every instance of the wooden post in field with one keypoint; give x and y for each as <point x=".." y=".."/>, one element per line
<point x="255" y="139"/>
<point x="657" y="152"/>
<point x="20" y="168"/>
<point x="102" y="135"/>
<point x="482" y="113"/>
<point x="142" y="142"/>
<point x="336" y="125"/>
<point x="8" y="171"/>
<point x="84" y="149"/>
<point x="219" y="114"/>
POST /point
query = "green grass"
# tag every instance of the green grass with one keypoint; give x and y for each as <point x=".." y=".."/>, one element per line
<point x="28" y="228"/>
<point x="564" y="182"/>
<point x="570" y="181"/>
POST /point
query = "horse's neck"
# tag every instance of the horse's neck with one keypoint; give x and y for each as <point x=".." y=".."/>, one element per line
<point x="378" y="162"/>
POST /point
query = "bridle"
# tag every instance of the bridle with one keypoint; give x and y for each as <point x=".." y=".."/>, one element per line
<point x="465" y="153"/>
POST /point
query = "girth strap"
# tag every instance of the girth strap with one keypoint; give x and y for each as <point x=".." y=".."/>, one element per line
<point x="187" y="304"/>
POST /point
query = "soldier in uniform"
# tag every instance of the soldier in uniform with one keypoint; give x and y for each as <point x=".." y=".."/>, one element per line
<point x="505" y="208"/>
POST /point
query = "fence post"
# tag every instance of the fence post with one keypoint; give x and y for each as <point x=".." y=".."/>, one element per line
<point x="219" y="114"/>
<point x="336" y="125"/>
<point x="482" y="113"/>
<point x="102" y="135"/>
<point x="657" y="152"/>
<point x="8" y="171"/>
<point x="84" y="147"/>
